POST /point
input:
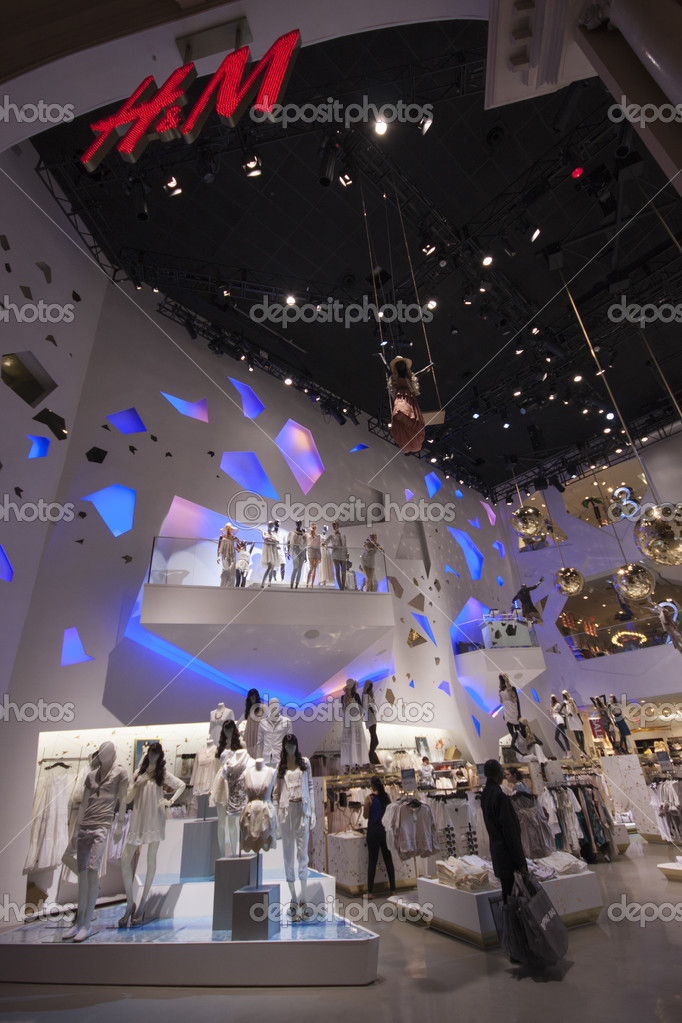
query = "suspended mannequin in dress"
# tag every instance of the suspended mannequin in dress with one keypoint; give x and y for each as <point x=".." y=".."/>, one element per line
<point x="293" y="798"/>
<point x="407" y="421"/>
<point x="147" y="825"/>
<point x="105" y="787"/>
<point x="528" y="608"/>
<point x="226" y="555"/>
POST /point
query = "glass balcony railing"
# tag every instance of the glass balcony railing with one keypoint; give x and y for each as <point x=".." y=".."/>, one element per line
<point x="186" y="561"/>
<point x="616" y="639"/>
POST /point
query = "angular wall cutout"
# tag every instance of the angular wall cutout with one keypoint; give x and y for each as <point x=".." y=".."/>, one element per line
<point x="433" y="484"/>
<point x="492" y="516"/>
<point x="474" y="522"/>
<point x="300" y="453"/>
<point x="72" y="648"/>
<point x="127" y="421"/>
<point x="252" y="406"/>
<point x="445" y="686"/>
<point x="6" y="570"/>
<point x="39" y="446"/>
<point x="24" y="375"/>
<point x="424" y="622"/>
<point x="472" y="555"/>
<point x="116" y="506"/>
<point x="192" y="409"/>
<point x="245" y="469"/>
<point x="358" y="447"/>
<point x="499" y="547"/>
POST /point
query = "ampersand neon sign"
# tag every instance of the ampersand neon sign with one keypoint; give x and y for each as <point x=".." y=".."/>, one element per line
<point x="156" y="113"/>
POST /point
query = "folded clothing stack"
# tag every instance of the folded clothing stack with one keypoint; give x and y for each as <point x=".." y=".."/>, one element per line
<point x="467" y="876"/>
<point x="563" y="863"/>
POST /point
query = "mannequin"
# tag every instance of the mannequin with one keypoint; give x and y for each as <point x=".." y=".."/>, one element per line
<point x="621" y="728"/>
<point x="573" y="719"/>
<point x="511" y="708"/>
<point x="296" y="548"/>
<point x="293" y="797"/>
<point x="258" y="820"/>
<point x="369" y="710"/>
<point x="528" y="745"/>
<point x="528" y="608"/>
<point x="147" y="825"/>
<point x="105" y="786"/>
<point x="407" y="421"/>
<point x="226" y="554"/>
<point x="354" y="750"/>
<point x="667" y="617"/>
<point x="203" y="770"/>
<point x="271" y="730"/>
<point x="367" y="558"/>
<point x="314" y="554"/>
<point x="243" y="563"/>
<point x="337" y="541"/>
<point x="280" y="552"/>
<point x="426" y="775"/>
<point x="253" y="713"/>
<point x="216" y="719"/>
<point x="228" y="792"/>
<point x="327" y="565"/>
<point x="605" y="719"/>
<point x="269" y="558"/>
<point x="556" y="709"/>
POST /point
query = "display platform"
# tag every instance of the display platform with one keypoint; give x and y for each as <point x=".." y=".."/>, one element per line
<point x="673" y="871"/>
<point x="347" y="858"/>
<point x="185" y="952"/>
<point x="468" y="915"/>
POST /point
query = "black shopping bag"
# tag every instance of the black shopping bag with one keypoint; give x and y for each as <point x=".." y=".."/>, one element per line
<point x="545" y="933"/>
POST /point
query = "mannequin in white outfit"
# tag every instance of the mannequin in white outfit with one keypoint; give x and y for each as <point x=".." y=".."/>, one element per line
<point x="228" y="792"/>
<point x="293" y="797"/>
<point x="258" y="820"/>
<point x="216" y="720"/>
<point x="271" y="731"/>
<point x="147" y="825"/>
<point x="105" y="786"/>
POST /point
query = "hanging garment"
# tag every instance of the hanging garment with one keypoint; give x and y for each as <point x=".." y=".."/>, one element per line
<point x="411" y="828"/>
<point x="407" y="421"/>
<point x="203" y="771"/>
<point x="49" y="829"/>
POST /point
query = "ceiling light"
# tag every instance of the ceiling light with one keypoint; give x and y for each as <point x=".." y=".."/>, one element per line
<point x="535" y="235"/>
<point x="481" y="286"/>
<point x="431" y="304"/>
<point x="253" y="166"/>
<point x="380" y="126"/>
<point x="249" y="362"/>
<point x="428" y="248"/>
<point x="535" y="330"/>
<point x="172" y="187"/>
<point x="475" y="415"/>
<point x="433" y="460"/>
<point x="607" y="429"/>
<point x="509" y="499"/>
<point x="517" y="394"/>
<point x="425" y="124"/>
<point x="467" y="300"/>
<point x="155" y="290"/>
<point x="610" y="415"/>
<point x="291" y="300"/>
<point x="519" y="351"/>
<point x="552" y="397"/>
<point x="619" y="451"/>
<point x="577" y="172"/>
<point x="345" y="179"/>
<point x="644" y="440"/>
<point x="288" y="381"/>
<point x="226" y="292"/>
<point x="487" y="260"/>
<point x="577" y="378"/>
<point x="585" y="411"/>
<point x="505" y="426"/>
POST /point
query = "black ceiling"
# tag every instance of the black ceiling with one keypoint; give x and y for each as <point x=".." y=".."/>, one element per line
<point x="477" y="181"/>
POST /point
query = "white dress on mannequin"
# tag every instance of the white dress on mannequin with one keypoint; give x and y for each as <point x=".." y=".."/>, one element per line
<point x="234" y="765"/>
<point x="216" y="720"/>
<point x="258" y="820"/>
<point x="354" y="748"/>
<point x="148" y="821"/>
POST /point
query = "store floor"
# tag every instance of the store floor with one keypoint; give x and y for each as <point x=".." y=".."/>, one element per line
<point x="619" y="971"/>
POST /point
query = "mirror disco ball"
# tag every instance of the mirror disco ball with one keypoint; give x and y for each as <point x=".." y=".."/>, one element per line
<point x="658" y="534"/>
<point x="569" y="582"/>
<point x="634" y="582"/>
<point x="528" y="522"/>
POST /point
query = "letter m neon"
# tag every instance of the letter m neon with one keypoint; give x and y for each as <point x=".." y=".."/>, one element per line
<point x="233" y="97"/>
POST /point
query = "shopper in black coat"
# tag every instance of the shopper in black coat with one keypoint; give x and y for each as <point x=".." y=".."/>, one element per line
<point x="503" y="828"/>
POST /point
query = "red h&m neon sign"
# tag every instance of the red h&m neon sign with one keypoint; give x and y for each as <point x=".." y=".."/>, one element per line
<point x="153" y="113"/>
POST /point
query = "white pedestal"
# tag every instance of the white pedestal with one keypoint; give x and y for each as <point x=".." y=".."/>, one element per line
<point x="621" y="837"/>
<point x="577" y="899"/>
<point x="673" y="871"/>
<point x="347" y="861"/>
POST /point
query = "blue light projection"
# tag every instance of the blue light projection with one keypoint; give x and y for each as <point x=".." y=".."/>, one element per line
<point x="459" y="494"/>
<point x="245" y="469"/>
<point x="300" y="453"/>
<point x="477" y="698"/>
<point x="500" y="581"/>
<point x="472" y="555"/>
<point x="409" y="494"/>
<point x="477" y="725"/>
<point x="359" y="447"/>
<point x="535" y="695"/>
<point x="474" y="522"/>
<point x="449" y="569"/>
<point x="424" y="623"/>
<point x="72" y="648"/>
<point x="433" y="484"/>
<point x="445" y="686"/>
<point x="492" y="517"/>
<point x="252" y="406"/>
<point x="39" y="446"/>
<point x="127" y="421"/>
<point x="193" y="409"/>
<point x="467" y="625"/>
<point x="6" y="570"/>
<point x="411" y="685"/>
<point x="499" y="547"/>
<point x="116" y="505"/>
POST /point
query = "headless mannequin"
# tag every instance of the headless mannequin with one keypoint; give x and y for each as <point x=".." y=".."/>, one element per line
<point x="337" y="541"/>
<point x="296" y="548"/>
<point x="270" y="553"/>
<point x="271" y="732"/>
<point x="241" y="757"/>
<point x="371" y="547"/>
<point x="216" y="719"/>
<point x="131" y="913"/>
<point x="314" y="554"/>
<point x="104" y="767"/>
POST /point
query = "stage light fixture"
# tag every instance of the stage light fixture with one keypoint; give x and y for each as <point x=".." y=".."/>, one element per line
<point x="487" y="260"/>
<point x="172" y="187"/>
<point x="380" y="126"/>
<point x="424" y="124"/>
<point x="253" y="166"/>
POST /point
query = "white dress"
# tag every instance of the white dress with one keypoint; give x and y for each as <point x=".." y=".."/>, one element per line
<point x="215" y="722"/>
<point x="258" y="820"/>
<point x="354" y="748"/>
<point x="203" y="771"/>
<point x="148" y="820"/>
<point x="326" y="572"/>
<point x="234" y="765"/>
<point x="270" y="555"/>
<point x="50" y="824"/>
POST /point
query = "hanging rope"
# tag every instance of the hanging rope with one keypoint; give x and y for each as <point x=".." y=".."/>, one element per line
<point x="615" y="532"/>
<point x="660" y="372"/>
<point x="553" y="524"/>
<point x="416" y="293"/>
<point x="602" y="374"/>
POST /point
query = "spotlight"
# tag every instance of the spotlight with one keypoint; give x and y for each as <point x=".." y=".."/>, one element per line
<point x="527" y="491"/>
<point x="644" y="440"/>
<point x="467" y="300"/>
<point x="253" y="166"/>
<point x="535" y="330"/>
<point x="249" y="362"/>
<point x="535" y="234"/>
<point x="428" y="248"/>
<point x="226" y="292"/>
<point x="518" y="351"/>
<point x="172" y="187"/>
<point x="577" y="378"/>
<point x="433" y="461"/>
<point x="291" y="300"/>
<point x="517" y="394"/>
<point x="610" y="415"/>
<point x="155" y="290"/>
<point x="508" y="246"/>
<point x="380" y="126"/>
<point x="335" y="413"/>
<point x="288" y="381"/>
<point x="607" y="429"/>
<point x="487" y="260"/>
<point x="431" y="304"/>
<point x="425" y="124"/>
<point x="509" y="499"/>
<point x="482" y="287"/>
<point x="476" y="415"/>
<point x="345" y="179"/>
<point x="505" y="426"/>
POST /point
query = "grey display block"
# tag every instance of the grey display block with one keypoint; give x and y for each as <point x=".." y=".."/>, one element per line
<point x="199" y="849"/>
<point x="204" y="811"/>
<point x="231" y="873"/>
<point x="255" y="913"/>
